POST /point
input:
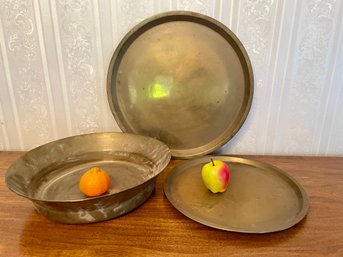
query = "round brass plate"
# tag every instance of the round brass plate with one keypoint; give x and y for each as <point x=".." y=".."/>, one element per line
<point x="183" y="78"/>
<point x="260" y="198"/>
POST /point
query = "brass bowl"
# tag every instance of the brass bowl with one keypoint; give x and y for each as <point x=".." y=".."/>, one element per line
<point x="49" y="175"/>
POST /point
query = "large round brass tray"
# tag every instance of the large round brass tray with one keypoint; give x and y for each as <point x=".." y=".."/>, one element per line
<point x="260" y="198"/>
<point x="183" y="78"/>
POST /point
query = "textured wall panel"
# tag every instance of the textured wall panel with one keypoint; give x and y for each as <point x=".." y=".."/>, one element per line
<point x="307" y="77"/>
<point x="55" y="55"/>
<point x="25" y="75"/>
<point x="75" y="22"/>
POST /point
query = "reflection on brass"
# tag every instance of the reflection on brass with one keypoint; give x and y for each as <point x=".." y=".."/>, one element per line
<point x="49" y="175"/>
<point x="183" y="78"/>
<point x="259" y="199"/>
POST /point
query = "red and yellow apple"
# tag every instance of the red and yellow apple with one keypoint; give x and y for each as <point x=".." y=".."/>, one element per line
<point x="216" y="176"/>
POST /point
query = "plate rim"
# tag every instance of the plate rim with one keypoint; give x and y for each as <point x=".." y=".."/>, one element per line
<point x="171" y="16"/>
<point x="182" y="166"/>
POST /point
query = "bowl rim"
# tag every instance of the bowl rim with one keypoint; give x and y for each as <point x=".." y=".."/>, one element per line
<point x="87" y="199"/>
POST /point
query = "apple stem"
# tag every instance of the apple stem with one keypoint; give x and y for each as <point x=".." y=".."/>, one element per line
<point x="212" y="161"/>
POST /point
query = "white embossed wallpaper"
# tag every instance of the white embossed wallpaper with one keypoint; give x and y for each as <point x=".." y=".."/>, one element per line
<point x="54" y="57"/>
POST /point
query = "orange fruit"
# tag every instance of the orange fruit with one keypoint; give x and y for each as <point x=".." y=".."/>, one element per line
<point x="94" y="182"/>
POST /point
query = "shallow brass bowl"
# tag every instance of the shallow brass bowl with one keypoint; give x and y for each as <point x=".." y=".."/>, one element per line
<point x="49" y="175"/>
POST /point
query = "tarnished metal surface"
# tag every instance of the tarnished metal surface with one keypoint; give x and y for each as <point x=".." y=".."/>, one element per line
<point x="49" y="175"/>
<point x="259" y="199"/>
<point x="183" y="78"/>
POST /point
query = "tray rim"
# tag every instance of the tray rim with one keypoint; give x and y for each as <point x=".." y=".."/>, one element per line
<point x="182" y="166"/>
<point x="171" y="16"/>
